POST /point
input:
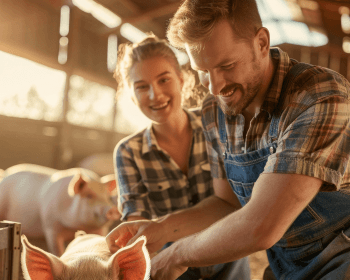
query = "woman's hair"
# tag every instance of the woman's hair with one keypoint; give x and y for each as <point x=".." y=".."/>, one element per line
<point x="152" y="46"/>
<point x="195" y="19"/>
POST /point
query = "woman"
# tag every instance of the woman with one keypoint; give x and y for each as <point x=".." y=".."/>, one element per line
<point x="164" y="167"/>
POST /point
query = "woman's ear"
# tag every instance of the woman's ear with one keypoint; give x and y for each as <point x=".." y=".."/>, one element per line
<point x="181" y="77"/>
<point x="134" y="99"/>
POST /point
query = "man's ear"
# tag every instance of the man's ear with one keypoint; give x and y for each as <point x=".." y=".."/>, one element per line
<point x="263" y="41"/>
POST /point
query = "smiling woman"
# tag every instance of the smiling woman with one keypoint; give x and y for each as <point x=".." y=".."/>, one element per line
<point x="163" y="167"/>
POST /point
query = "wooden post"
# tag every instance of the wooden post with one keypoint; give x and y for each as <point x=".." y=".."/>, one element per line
<point x="10" y="253"/>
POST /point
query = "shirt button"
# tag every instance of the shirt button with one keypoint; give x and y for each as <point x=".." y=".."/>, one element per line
<point x="271" y="150"/>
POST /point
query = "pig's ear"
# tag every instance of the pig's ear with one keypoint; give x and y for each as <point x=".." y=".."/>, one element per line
<point x="132" y="262"/>
<point x="110" y="182"/>
<point x="76" y="185"/>
<point x="38" y="264"/>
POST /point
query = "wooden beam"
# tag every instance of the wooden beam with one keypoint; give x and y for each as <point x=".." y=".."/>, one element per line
<point x="131" y="6"/>
<point x="149" y="15"/>
<point x="342" y="2"/>
<point x="157" y="12"/>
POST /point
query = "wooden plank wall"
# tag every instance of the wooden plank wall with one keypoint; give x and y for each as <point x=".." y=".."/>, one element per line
<point x="40" y="142"/>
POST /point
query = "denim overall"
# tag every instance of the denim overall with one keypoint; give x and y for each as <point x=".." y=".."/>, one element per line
<point x="316" y="245"/>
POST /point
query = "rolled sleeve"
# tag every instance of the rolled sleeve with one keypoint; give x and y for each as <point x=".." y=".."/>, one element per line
<point x="133" y="195"/>
<point x="316" y="143"/>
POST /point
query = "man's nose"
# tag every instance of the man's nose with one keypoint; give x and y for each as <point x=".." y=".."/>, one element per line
<point x="216" y="82"/>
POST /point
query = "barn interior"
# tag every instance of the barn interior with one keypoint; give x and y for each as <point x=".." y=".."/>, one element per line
<point x="58" y="105"/>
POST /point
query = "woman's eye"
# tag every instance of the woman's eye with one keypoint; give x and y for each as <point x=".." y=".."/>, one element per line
<point x="141" y="87"/>
<point x="164" y="80"/>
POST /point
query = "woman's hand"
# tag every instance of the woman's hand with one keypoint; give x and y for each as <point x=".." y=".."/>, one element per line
<point x="126" y="233"/>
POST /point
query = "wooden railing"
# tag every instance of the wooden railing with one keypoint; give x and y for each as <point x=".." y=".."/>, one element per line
<point x="10" y="250"/>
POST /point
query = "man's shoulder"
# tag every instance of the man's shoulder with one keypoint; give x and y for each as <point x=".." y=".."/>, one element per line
<point x="325" y="80"/>
<point x="314" y="83"/>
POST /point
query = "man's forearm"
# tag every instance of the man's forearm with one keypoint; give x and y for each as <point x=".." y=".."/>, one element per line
<point x="191" y="220"/>
<point x="227" y="240"/>
<point x="277" y="200"/>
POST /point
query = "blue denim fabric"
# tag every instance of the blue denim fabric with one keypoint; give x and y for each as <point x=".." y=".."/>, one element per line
<point x="301" y="253"/>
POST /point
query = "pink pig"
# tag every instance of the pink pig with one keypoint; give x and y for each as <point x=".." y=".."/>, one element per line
<point x="55" y="204"/>
<point x="87" y="257"/>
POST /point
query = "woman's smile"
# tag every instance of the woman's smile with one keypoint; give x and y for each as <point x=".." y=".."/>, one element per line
<point x="160" y="106"/>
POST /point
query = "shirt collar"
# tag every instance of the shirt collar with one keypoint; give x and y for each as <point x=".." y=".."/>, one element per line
<point x="149" y="140"/>
<point x="283" y="64"/>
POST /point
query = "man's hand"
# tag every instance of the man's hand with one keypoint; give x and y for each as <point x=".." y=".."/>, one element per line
<point x="164" y="265"/>
<point x="126" y="233"/>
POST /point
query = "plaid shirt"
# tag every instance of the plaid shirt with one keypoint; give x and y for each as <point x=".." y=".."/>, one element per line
<point x="150" y="182"/>
<point x="313" y="133"/>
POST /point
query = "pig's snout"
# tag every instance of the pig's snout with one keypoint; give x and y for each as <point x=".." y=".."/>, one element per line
<point x="100" y="213"/>
<point x="113" y="214"/>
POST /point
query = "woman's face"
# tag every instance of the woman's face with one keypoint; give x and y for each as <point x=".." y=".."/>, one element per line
<point x="157" y="88"/>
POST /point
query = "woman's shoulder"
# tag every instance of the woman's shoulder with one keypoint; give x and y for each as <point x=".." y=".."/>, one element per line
<point x="133" y="141"/>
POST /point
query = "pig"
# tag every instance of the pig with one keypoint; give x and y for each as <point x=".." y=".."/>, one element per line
<point x="87" y="257"/>
<point x="55" y="204"/>
<point x="101" y="163"/>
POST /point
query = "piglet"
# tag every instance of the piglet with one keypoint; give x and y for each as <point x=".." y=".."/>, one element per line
<point x="87" y="257"/>
<point x="55" y="204"/>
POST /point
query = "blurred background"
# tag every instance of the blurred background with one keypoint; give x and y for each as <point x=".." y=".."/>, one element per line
<point x="57" y="92"/>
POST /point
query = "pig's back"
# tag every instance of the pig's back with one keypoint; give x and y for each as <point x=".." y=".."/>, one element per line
<point x="20" y="190"/>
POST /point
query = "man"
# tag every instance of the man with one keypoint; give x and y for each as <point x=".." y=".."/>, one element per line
<point x="278" y="135"/>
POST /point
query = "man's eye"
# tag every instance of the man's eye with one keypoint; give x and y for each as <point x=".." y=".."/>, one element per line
<point x="228" y="66"/>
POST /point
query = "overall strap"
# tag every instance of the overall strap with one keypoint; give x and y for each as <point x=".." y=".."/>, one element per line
<point x="288" y="83"/>
<point x="222" y="126"/>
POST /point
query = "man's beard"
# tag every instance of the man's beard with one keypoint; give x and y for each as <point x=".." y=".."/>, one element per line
<point x="246" y="99"/>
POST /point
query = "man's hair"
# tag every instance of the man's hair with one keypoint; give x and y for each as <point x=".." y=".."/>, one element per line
<point x="195" y="19"/>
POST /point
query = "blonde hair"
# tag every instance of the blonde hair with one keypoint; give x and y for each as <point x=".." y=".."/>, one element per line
<point x="195" y="19"/>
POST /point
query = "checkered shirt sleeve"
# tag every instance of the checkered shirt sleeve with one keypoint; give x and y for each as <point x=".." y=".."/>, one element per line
<point x="314" y="131"/>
